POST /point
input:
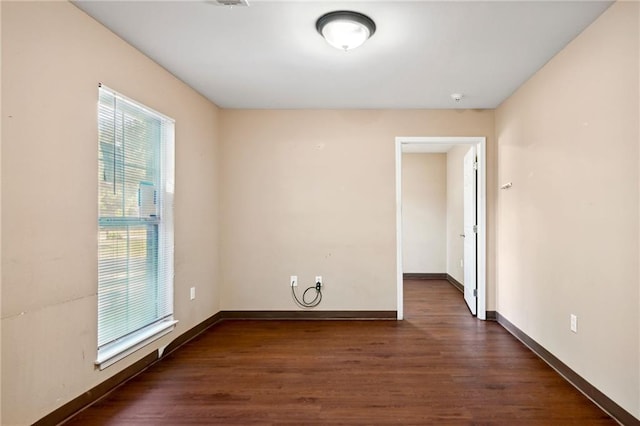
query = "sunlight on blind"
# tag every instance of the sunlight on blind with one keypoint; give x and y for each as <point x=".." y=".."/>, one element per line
<point x="135" y="237"/>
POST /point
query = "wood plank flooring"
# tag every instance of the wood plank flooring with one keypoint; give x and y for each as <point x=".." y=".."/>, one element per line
<point x="438" y="367"/>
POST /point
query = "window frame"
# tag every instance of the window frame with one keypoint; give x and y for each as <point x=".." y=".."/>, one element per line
<point x="161" y="226"/>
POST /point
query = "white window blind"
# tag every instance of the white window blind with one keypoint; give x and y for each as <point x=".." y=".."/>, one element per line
<point x="135" y="225"/>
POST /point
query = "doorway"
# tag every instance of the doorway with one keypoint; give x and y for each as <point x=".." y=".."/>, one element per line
<point x="435" y="144"/>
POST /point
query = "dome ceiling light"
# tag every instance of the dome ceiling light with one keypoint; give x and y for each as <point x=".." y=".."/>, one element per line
<point x="345" y="30"/>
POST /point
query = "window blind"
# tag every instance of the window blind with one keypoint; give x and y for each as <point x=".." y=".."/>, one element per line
<point x="135" y="235"/>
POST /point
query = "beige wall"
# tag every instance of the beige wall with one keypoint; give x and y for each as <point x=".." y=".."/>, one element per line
<point x="424" y="213"/>
<point x="568" y="228"/>
<point x="313" y="193"/>
<point x="455" y="211"/>
<point x="1" y="220"/>
<point x="53" y="57"/>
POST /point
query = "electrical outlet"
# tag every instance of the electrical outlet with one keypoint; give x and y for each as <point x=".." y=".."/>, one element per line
<point x="293" y="281"/>
<point x="574" y="323"/>
<point x="461" y="263"/>
<point x="192" y="293"/>
<point x="318" y="280"/>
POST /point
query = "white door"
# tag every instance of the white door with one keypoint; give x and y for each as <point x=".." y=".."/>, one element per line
<point x="470" y="222"/>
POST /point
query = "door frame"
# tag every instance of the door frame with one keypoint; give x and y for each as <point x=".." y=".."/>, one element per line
<point x="481" y="145"/>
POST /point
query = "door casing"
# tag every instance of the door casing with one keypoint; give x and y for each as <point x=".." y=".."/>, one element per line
<point x="434" y="141"/>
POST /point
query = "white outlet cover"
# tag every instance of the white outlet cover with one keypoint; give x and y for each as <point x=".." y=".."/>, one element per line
<point x="574" y="323"/>
<point x="293" y="281"/>
<point x="192" y="293"/>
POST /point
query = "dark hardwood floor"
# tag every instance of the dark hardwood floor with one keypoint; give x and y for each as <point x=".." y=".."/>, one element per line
<point x="438" y="367"/>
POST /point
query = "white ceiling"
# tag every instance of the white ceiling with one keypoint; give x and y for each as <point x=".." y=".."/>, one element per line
<point x="269" y="55"/>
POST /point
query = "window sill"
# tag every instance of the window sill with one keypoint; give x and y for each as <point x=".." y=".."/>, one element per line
<point x="118" y="350"/>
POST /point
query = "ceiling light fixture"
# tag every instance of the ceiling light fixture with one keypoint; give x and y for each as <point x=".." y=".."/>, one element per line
<point x="345" y="30"/>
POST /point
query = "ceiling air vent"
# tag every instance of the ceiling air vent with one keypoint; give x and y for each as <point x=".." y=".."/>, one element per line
<point x="238" y="3"/>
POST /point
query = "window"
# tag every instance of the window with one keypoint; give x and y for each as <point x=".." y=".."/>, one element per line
<point x="135" y="226"/>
